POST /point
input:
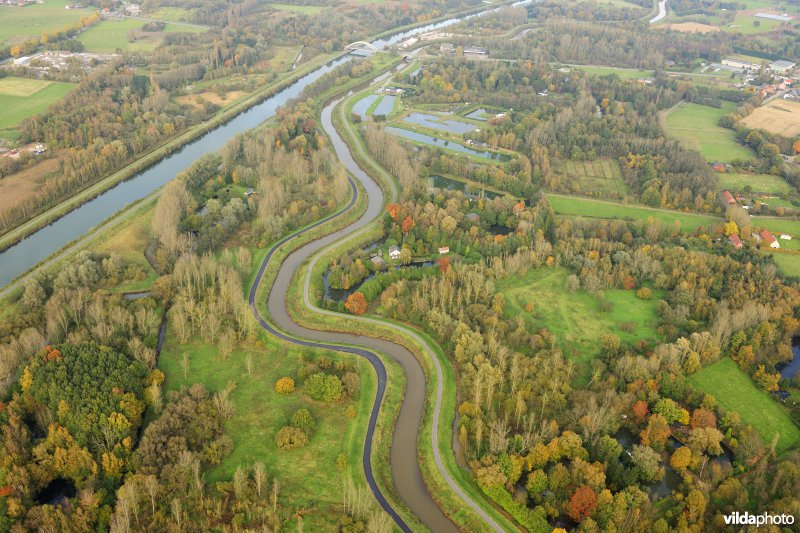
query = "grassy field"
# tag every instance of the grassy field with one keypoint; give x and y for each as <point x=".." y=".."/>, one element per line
<point x="602" y="175"/>
<point x="175" y="14"/>
<point x="778" y="225"/>
<point x="588" y="207"/>
<point x="21" y="98"/>
<point x="305" y="10"/>
<point x="758" y="182"/>
<point x="308" y="473"/>
<point x="788" y="264"/>
<point x="575" y="319"/>
<point x="18" y="24"/>
<point x="735" y="391"/>
<point x="744" y="23"/>
<point x="779" y="116"/>
<point x="625" y="73"/>
<point x="696" y="127"/>
<point x="109" y="36"/>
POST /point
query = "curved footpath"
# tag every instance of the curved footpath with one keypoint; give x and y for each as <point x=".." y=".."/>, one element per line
<point x="404" y="461"/>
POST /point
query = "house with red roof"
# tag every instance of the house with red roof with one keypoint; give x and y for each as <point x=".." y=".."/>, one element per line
<point x="736" y="241"/>
<point x="728" y="197"/>
<point x="769" y="239"/>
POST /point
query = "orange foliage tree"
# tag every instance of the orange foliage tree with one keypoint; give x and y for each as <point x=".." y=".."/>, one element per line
<point x="356" y="303"/>
<point x="583" y="503"/>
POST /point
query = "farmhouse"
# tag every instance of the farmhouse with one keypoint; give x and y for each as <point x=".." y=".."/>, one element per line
<point x="728" y="197"/>
<point x="394" y="252"/>
<point x="736" y="241"/>
<point x="766" y="237"/>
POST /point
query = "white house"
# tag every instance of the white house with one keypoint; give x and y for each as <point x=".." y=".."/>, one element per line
<point x="444" y="250"/>
<point x="394" y="252"/>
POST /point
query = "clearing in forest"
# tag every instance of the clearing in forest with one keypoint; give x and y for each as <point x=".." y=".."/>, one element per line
<point x="735" y="391"/>
<point x="601" y="176"/>
<point x="779" y="116"/>
<point x="695" y="125"/>
<point x="575" y="318"/>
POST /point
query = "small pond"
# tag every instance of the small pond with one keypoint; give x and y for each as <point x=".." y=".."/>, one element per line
<point x="434" y="141"/>
<point x="362" y="105"/>
<point x="386" y="106"/>
<point x="478" y="114"/>
<point x="790" y="369"/>
<point x="434" y="122"/>
<point x="671" y="481"/>
<point x="449" y="184"/>
<point x="57" y="492"/>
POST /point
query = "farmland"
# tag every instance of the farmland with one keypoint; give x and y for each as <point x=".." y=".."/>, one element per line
<point x="696" y="127"/>
<point x="21" y="98"/>
<point x="624" y="73"/>
<point x="575" y="318"/>
<point x="788" y="264"/>
<point x="602" y="176"/>
<point x="587" y="207"/>
<point x="20" y="24"/>
<point x="735" y="391"/>
<point x="778" y="116"/>
<point x="767" y="183"/>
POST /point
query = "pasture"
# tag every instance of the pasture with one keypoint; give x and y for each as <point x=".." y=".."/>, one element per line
<point x="624" y="73"/>
<point x="735" y="391"/>
<point x="575" y="319"/>
<point x="602" y="176"/>
<point x="21" y="98"/>
<point x="19" y="24"/>
<point x="778" y="116"/>
<point x="788" y="264"/>
<point x="747" y="24"/>
<point x="767" y="183"/>
<point x="695" y="126"/>
<point x="591" y="208"/>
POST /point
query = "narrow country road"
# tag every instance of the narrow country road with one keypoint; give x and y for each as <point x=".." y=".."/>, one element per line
<point x="404" y="459"/>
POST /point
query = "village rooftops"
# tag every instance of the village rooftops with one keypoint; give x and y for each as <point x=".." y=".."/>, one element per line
<point x="736" y="241"/>
<point x="728" y="197"/>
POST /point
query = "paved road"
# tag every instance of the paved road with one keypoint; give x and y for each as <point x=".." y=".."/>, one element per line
<point x="662" y="12"/>
<point x="403" y="455"/>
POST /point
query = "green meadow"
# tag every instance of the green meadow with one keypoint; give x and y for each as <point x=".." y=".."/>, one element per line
<point x="575" y="319"/>
<point x="21" y="98"/>
<point x="735" y="391"/>
<point x="696" y="127"/>
<point x="588" y="207"/>
<point x="19" y="24"/>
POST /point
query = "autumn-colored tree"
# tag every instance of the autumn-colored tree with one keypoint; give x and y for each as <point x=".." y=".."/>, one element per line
<point x="356" y="303"/>
<point x="656" y="433"/>
<point x="582" y="503"/>
<point x="408" y="224"/>
<point x="703" y="418"/>
<point x="284" y="385"/>
<point x="393" y="209"/>
<point x="640" y="411"/>
<point x="796" y="146"/>
<point x="444" y="264"/>
<point x="681" y="458"/>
